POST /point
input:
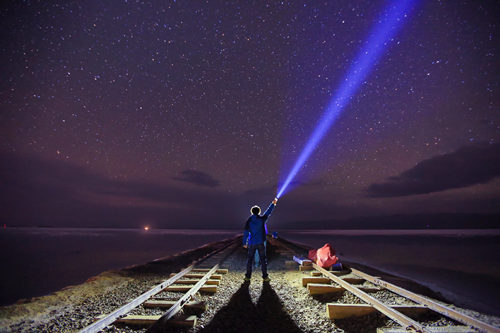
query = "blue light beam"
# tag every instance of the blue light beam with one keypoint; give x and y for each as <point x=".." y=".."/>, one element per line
<point x="384" y="30"/>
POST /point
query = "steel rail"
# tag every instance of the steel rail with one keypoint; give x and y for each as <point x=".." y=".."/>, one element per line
<point x="113" y="316"/>
<point x="464" y="319"/>
<point x="109" y="319"/>
<point x="158" y="326"/>
<point x="434" y="306"/>
<point x="405" y="321"/>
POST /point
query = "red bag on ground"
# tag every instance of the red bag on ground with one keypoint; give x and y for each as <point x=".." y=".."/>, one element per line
<point x="324" y="257"/>
<point x="312" y="255"/>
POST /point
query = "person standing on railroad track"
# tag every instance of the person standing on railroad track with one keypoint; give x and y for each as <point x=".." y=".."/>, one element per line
<point x="254" y="237"/>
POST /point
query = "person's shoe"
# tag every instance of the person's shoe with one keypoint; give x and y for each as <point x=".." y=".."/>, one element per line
<point x="266" y="279"/>
<point x="246" y="279"/>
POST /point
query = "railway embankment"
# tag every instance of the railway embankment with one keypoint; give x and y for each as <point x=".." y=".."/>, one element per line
<point x="285" y="304"/>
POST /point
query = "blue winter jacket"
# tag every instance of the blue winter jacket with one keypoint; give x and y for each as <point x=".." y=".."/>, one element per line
<point x="255" y="228"/>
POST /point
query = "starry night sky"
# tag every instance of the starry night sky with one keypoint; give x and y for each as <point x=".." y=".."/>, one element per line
<point x="184" y="114"/>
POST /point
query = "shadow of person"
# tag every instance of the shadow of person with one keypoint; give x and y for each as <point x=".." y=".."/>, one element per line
<point x="241" y="315"/>
<point x="271" y="312"/>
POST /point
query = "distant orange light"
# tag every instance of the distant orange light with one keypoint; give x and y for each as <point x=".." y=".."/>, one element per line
<point x="146" y="228"/>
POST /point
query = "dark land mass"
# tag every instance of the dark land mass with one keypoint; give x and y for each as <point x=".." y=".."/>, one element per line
<point x="407" y="222"/>
<point x="389" y="222"/>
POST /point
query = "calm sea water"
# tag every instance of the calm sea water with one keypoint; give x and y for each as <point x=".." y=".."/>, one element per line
<point x="37" y="261"/>
<point x="464" y="265"/>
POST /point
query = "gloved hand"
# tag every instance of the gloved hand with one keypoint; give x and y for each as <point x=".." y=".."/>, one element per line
<point x="275" y="201"/>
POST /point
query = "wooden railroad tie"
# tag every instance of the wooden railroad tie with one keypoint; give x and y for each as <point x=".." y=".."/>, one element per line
<point x="336" y="273"/>
<point x="353" y="280"/>
<point x="318" y="289"/>
<point x="321" y="288"/>
<point x="305" y="268"/>
<point x="210" y="282"/>
<point x="194" y="307"/>
<point x="306" y="262"/>
<point x="205" y="288"/>
<point x="148" y="320"/>
<point x="340" y="311"/>
<point x="320" y="280"/>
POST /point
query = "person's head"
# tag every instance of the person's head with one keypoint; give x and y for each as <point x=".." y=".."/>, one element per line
<point x="255" y="210"/>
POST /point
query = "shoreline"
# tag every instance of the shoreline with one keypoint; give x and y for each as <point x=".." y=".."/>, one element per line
<point x="39" y="310"/>
<point x="76" y="301"/>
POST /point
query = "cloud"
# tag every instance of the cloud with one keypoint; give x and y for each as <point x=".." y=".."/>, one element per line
<point x="36" y="191"/>
<point x="469" y="165"/>
<point x="199" y="178"/>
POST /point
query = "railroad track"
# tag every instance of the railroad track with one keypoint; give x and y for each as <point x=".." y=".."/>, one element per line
<point x="366" y="287"/>
<point x="158" y="309"/>
<point x="203" y="275"/>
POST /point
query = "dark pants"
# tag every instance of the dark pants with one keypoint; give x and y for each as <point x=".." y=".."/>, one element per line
<point x="263" y="259"/>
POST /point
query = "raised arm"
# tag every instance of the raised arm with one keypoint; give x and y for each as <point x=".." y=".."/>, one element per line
<point x="270" y="209"/>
